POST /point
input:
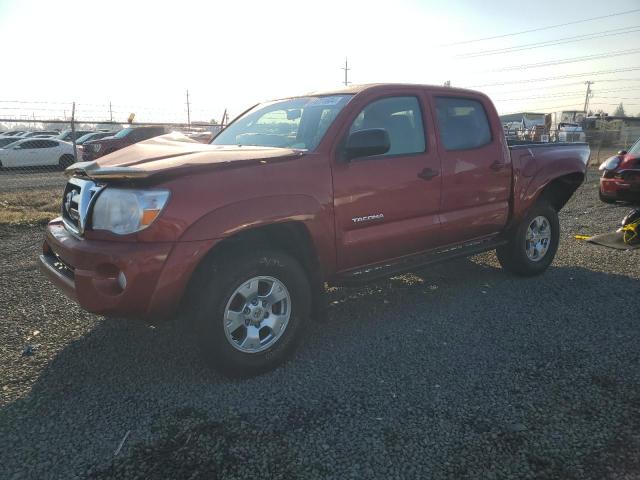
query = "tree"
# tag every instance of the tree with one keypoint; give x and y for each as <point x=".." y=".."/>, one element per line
<point x="619" y="111"/>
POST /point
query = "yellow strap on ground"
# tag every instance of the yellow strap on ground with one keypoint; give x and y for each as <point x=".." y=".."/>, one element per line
<point x="582" y="237"/>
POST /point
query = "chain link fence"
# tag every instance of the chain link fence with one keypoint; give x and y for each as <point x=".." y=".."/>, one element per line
<point x="34" y="152"/>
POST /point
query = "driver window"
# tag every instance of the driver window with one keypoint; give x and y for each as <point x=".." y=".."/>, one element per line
<point x="401" y="117"/>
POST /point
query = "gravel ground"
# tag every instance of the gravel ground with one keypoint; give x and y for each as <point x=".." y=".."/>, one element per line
<point x="36" y="177"/>
<point x="458" y="371"/>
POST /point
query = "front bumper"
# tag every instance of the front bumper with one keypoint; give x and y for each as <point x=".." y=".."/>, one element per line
<point x="621" y="187"/>
<point x="87" y="271"/>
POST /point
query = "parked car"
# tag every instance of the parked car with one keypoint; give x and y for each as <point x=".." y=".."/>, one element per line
<point x="97" y="148"/>
<point x="13" y="133"/>
<point x="341" y="187"/>
<point x="68" y="135"/>
<point x="94" y="136"/>
<point x="36" y="152"/>
<point x="37" y="133"/>
<point x="620" y="179"/>
<point x="43" y="135"/>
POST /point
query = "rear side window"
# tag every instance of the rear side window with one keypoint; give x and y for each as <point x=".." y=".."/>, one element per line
<point x="462" y="123"/>
<point x="401" y="117"/>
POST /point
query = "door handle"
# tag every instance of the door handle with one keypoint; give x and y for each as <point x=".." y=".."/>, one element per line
<point x="428" y="174"/>
<point x="497" y="165"/>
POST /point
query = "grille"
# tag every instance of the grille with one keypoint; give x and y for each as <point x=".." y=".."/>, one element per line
<point x="71" y="206"/>
<point x="76" y="203"/>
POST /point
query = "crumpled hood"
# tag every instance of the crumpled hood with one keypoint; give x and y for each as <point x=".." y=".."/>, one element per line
<point x="173" y="154"/>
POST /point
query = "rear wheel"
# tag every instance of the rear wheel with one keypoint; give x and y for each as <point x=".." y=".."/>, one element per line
<point x="533" y="244"/>
<point x="65" y="161"/>
<point x="251" y="311"/>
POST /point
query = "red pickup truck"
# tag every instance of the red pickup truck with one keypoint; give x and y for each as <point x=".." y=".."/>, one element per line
<point x="338" y="187"/>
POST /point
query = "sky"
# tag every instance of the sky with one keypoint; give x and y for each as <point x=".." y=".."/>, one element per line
<point x="143" y="56"/>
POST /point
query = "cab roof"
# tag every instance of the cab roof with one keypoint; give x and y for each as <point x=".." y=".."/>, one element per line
<point x="355" y="89"/>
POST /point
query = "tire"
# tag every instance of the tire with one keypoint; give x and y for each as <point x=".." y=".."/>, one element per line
<point x="516" y="258"/>
<point x="65" y="161"/>
<point x="606" y="199"/>
<point x="220" y="297"/>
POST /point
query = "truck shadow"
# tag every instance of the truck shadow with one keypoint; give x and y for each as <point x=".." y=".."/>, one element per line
<point x="128" y="375"/>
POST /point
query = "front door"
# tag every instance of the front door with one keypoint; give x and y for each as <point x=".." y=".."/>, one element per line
<point x="386" y="206"/>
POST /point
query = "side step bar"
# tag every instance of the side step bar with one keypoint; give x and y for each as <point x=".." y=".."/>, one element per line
<point x="405" y="264"/>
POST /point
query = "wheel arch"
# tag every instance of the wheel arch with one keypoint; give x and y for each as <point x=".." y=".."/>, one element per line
<point x="290" y="237"/>
<point x="559" y="190"/>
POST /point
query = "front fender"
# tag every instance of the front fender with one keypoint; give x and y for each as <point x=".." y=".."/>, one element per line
<point x="244" y="215"/>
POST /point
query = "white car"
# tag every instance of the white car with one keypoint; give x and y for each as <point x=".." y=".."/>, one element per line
<point x="35" y="152"/>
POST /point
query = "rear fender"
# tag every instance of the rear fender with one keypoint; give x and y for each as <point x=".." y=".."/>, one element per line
<point x="535" y="170"/>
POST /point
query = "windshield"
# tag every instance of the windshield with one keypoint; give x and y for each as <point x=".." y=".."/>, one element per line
<point x="124" y="132"/>
<point x="293" y="123"/>
<point x="84" y="138"/>
<point x="636" y="148"/>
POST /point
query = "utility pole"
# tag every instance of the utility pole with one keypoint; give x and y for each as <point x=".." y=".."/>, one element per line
<point x="73" y="131"/>
<point x="346" y="72"/>
<point x="188" y="111"/>
<point x="586" y="97"/>
<point x="110" y="112"/>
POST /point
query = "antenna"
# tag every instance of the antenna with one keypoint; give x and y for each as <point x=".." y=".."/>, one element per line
<point x="346" y="72"/>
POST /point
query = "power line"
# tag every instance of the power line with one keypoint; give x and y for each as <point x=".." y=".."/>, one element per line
<point x="618" y="98"/>
<point x="561" y="85"/>
<point x="559" y="77"/>
<point x="585" y="58"/>
<point x="541" y="28"/>
<point x="566" y="94"/>
<point x="550" y="43"/>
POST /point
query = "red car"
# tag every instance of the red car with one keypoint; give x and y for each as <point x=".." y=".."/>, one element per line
<point x="340" y="187"/>
<point x="620" y="180"/>
<point x="97" y="148"/>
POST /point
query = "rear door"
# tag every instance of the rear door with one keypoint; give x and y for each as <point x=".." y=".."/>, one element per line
<point x="476" y="174"/>
<point x="387" y="205"/>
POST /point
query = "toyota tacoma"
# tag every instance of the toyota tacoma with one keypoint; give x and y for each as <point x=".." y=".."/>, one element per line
<point x="241" y="235"/>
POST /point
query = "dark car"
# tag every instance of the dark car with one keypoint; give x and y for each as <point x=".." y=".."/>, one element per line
<point x="97" y="148"/>
<point x="68" y="135"/>
<point x="620" y="180"/>
<point x="94" y="136"/>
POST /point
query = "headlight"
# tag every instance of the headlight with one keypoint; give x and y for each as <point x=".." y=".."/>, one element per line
<point x="610" y="163"/>
<point x="124" y="211"/>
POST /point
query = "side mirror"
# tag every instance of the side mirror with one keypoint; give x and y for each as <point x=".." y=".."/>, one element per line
<point x="18" y="147"/>
<point x="622" y="152"/>
<point x="366" y="143"/>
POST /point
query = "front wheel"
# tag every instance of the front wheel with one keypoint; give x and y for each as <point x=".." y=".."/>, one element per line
<point x="606" y="199"/>
<point x="533" y="244"/>
<point x="252" y="310"/>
